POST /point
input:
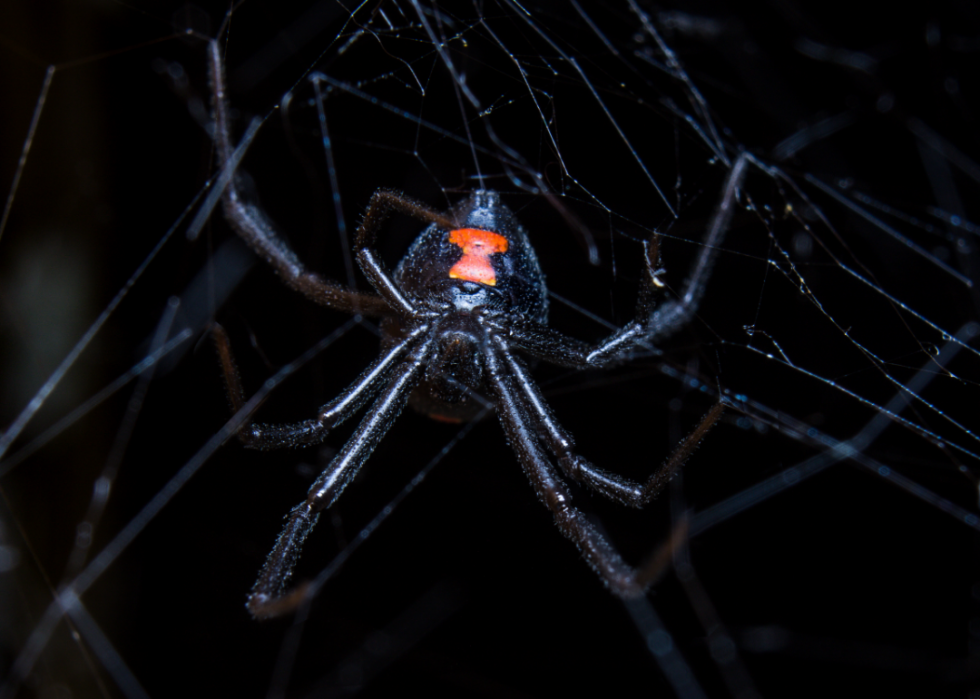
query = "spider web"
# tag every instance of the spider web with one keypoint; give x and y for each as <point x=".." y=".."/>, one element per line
<point x="833" y="514"/>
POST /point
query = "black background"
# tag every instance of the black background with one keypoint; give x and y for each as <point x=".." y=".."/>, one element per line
<point x="843" y="583"/>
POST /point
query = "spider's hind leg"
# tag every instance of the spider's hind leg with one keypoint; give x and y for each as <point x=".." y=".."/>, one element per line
<point x="627" y="492"/>
<point x="516" y="412"/>
<point x="576" y="467"/>
<point x="269" y="596"/>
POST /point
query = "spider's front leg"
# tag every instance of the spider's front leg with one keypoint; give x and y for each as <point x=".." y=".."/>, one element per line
<point x="652" y="322"/>
<point x="382" y="203"/>
<point x="255" y="228"/>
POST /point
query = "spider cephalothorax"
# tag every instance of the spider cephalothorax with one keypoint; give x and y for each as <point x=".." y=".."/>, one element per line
<point x="466" y="299"/>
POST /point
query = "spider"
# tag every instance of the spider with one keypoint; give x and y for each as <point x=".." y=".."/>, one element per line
<point x="468" y="295"/>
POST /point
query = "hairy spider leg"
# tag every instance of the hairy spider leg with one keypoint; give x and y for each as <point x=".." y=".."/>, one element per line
<point x="275" y="436"/>
<point x="522" y="410"/>
<point x="379" y="208"/>
<point x="267" y="597"/>
<point x="260" y="233"/>
<point x="621" y="578"/>
<point x="562" y="445"/>
<point x="652" y="322"/>
<point x="353" y="398"/>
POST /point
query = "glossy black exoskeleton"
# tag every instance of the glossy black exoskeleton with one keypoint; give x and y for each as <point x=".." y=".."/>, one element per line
<point x="465" y="302"/>
<point x="507" y="279"/>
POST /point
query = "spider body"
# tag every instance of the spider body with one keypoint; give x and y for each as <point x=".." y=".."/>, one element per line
<point x="485" y="264"/>
<point x="460" y="313"/>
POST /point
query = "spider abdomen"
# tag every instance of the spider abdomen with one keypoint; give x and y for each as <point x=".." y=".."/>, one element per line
<point x="486" y="259"/>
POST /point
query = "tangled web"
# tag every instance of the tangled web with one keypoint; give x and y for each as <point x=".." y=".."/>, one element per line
<point x="832" y="515"/>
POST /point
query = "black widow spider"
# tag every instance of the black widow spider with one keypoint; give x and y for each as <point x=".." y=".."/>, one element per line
<point x="466" y="295"/>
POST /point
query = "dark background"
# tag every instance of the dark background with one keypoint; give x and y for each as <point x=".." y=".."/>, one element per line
<point x="844" y="583"/>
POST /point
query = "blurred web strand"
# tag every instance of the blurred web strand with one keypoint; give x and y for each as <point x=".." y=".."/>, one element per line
<point x="884" y="227"/>
<point x="64" y="600"/>
<point x="677" y="70"/>
<point x="943" y="214"/>
<point x="103" y="484"/>
<point x="595" y="29"/>
<point x="42" y="395"/>
<point x="717" y="636"/>
<point x="853" y="449"/>
<point x="779" y="174"/>
<point x="944" y="191"/>
<point x="954" y="220"/>
<point x="570" y="60"/>
<point x="7" y="465"/>
<point x="338" y="209"/>
<point x="661" y="645"/>
<point x="582" y="231"/>
<point x="962" y="337"/>
<point x="83" y="622"/>
<point x="197" y="224"/>
<point x="398" y="111"/>
<point x="949" y="152"/>
<point x="459" y="84"/>
<point x="384" y="647"/>
<point x="937" y="157"/>
<point x="810" y="134"/>
<point x="104" y="650"/>
<point x="42" y="99"/>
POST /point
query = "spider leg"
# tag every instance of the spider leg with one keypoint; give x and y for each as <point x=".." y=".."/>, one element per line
<point x="562" y="445"/>
<point x="622" y="579"/>
<point x="652" y="322"/>
<point x="266" y="436"/>
<point x="379" y="208"/>
<point x="255" y="228"/>
<point x="267" y="598"/>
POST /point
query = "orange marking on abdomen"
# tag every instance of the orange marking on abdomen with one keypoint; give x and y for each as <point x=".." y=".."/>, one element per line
<point x="477" y="246"/>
